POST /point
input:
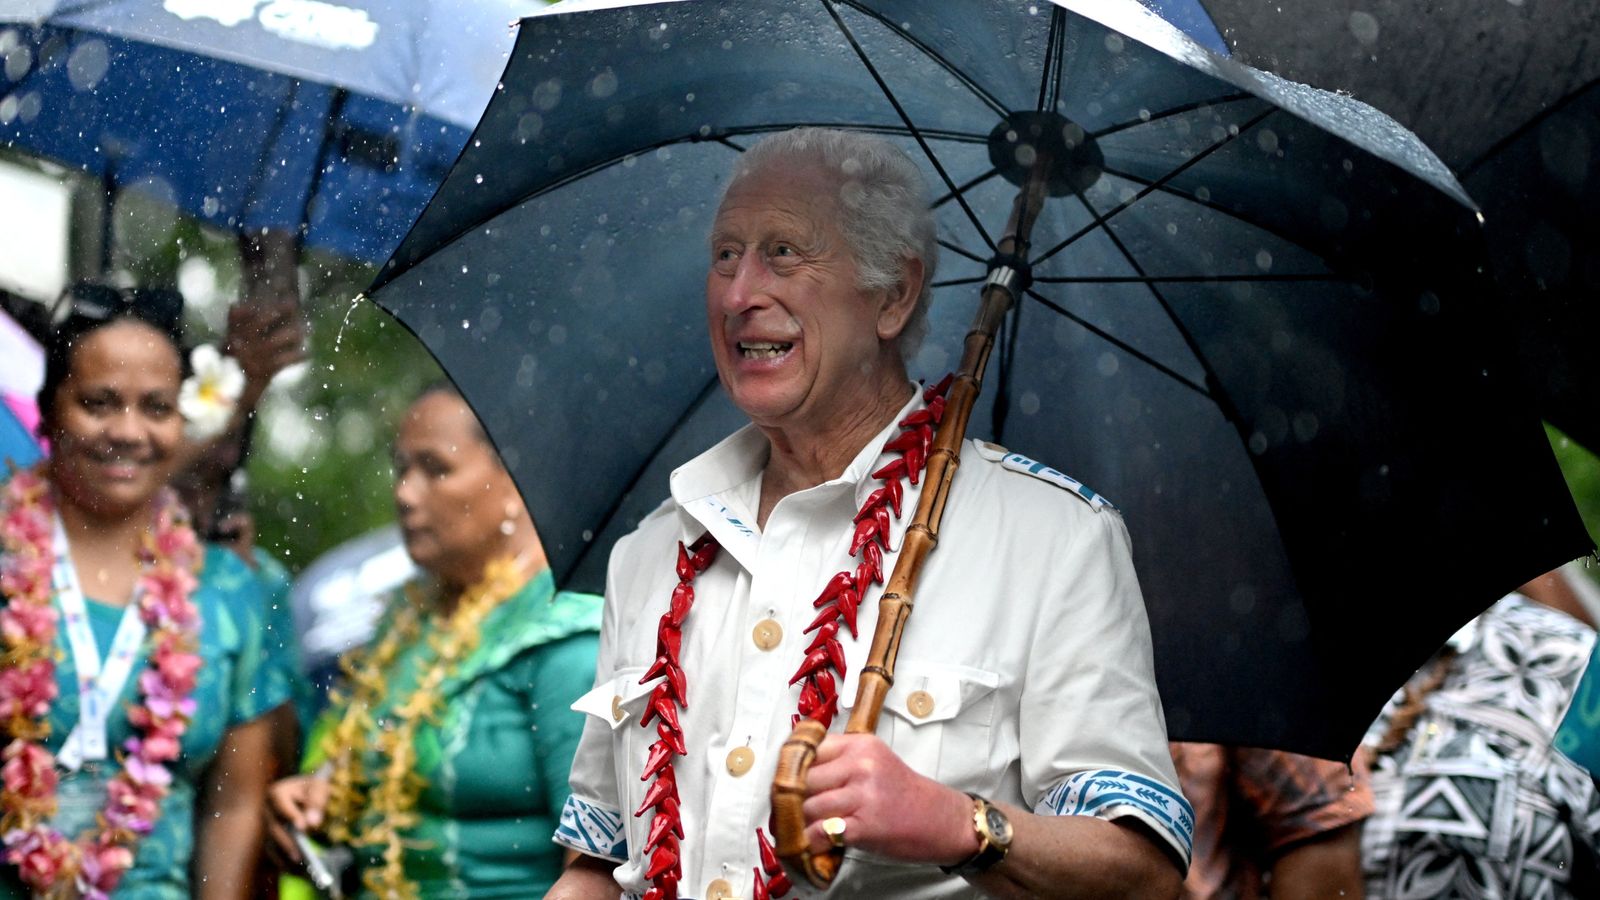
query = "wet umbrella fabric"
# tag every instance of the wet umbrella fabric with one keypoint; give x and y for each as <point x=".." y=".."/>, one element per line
<point x="338" y="118"/>
<point x="1258" y="328"/>
<point x="1506" y="94"/>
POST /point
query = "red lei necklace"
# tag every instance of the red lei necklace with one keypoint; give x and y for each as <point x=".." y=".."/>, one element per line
<point x="48" y="862"/>
<point x="819" y="675"/>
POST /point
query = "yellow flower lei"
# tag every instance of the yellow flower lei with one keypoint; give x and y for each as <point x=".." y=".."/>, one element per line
<point x="374" y="809"/>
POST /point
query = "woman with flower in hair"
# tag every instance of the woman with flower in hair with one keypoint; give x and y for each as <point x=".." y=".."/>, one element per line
<point x="132" y="690"/>
<point x="444" y="765"/>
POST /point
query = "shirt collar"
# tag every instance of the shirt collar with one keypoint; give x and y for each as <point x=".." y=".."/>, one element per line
<point x="703" y="484"/>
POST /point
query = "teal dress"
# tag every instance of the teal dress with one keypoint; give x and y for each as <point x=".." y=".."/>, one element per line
<point x="496" y="764"/>
<point x="236" y="684"/>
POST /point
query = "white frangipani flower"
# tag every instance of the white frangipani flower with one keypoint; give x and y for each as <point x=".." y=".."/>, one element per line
<point x="208" y="397"/>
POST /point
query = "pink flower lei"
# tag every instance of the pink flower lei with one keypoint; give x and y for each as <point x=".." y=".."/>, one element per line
<point x="47" y="861"/>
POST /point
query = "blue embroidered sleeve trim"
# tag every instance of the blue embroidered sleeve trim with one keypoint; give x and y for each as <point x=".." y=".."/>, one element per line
<point x="593" y="830"/>
<point x="1110" y="794"/>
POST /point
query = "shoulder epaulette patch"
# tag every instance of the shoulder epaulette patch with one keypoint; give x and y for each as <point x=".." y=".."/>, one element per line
<point x="1016" y="462"/>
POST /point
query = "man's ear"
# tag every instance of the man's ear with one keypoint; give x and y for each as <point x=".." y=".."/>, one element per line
<point x="901" y="301"/>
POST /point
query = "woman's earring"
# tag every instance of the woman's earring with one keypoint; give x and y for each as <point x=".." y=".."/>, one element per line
<point x="508" y="526"/>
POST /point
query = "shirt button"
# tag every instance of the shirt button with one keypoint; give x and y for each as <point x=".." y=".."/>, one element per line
<point x="616" y="708"/>
<point x="740" y="759"/>
<point x="767" y="634"/>
<point x="719" y="889"/>
<point x="920" y="703"/>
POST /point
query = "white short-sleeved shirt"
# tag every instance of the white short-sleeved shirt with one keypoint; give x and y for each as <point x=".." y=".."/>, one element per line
<point x="1025" y="674"/>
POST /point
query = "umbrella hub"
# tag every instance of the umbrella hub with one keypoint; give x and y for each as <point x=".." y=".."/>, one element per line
<point x="1073" y="159"/>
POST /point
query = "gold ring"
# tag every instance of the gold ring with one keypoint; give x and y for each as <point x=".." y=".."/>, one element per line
<point x="833" y="827"/>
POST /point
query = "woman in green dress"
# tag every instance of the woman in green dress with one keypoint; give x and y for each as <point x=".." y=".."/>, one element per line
<point x="445" y="766"/>
<point x="132" y="690"/>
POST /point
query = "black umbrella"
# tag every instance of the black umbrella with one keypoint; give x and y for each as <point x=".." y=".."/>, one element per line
<point x="1505" y="93"/>
<point x="1258" y="321"/>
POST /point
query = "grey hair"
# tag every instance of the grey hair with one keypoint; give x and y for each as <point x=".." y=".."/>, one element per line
<point x="885" y="212"/>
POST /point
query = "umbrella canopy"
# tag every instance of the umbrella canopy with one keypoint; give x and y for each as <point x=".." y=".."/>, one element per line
<point x="1506" y="94"/>
<point x="338" y="119"/>
<point x="1257" y="321"/>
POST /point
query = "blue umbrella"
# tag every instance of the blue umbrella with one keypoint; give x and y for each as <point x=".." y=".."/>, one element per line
<point x="334" y="119"/>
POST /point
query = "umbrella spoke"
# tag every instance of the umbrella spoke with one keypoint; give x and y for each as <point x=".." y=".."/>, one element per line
<point x="1150" y="188"/>
<point x="1174" y="111"/>
<point x="1161" y="279"/>
<point x="957" y="282"/>
<point x="1050" y="81"/>
<point x="916" y="133"/>
<point x="1212" y="205"/>
<point x="1216" y="394"/>
<point x="1120" y="344"/>
<point x="932" y="54"/>
<point x="962" y="251"/>
<point x="946" y="198"/>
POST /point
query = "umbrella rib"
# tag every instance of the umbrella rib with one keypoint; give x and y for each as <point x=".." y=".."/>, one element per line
<point x="1169" y="113"/>
<point x="1171" y="279"/>
<point x="1208" y="204"/>
<point x="1150" y="188"/>
<point x="952" y="70"/>
<point x="906" y="118"/>
<point x="1049" y="82"/>
<point x="964" y="188"/>
<point x="962" y="251"/>
<point x="1120" y="344"/>
<point x="638" y="475"/>
<point x="1572" y="97"/>
<point x="1216" y="393"/>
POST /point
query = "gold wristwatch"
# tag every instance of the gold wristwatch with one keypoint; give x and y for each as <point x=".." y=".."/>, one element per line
<point x="994" y="838"/>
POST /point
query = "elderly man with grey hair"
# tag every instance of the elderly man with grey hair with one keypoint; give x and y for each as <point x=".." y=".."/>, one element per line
<point x="1023" y="752"/>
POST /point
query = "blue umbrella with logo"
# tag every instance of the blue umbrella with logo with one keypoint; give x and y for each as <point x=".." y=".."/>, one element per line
<point x="335" y="120"/>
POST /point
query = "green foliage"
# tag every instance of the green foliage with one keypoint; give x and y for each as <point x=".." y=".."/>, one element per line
<point x="327" y="477"/>
<point x="1582" y="470"/>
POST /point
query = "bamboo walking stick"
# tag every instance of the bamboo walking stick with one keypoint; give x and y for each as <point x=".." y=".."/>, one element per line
<point x="894" y="607"/>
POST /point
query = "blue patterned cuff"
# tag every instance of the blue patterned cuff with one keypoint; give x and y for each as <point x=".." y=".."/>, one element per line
<point x="1110" y="794"/>
<point x="592" y="830"/>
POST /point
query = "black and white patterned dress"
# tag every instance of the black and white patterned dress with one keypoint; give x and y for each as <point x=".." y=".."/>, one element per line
<point x="1476" y="803"/>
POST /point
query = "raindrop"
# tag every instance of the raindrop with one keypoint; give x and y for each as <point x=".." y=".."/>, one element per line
<point x="1267" y="140"/>
<point x="1114" y="43"/>
<point x="1428" y="303"/>
<point x="1364" y="26"/>
<point x="463" y="270"/>
<point x="1258" y="443"/>
<point x="465" y="324"/>
<point x="727" y="45"/>
<point x="1305" y="426"/>
<point x="1202" y="193"/>
<point x="8" y="109"/>
<point x="88" y="64"/>
<point x="1028" y="403"/>
<point x="1144" y="115"/>
<point x="19" y="60"/>
<point x="604" y="84"/>
<point x="1107" y="364"/>
<point x="547" y="94"/>
<point x="1264" y="260"/>
<point x="478" y="178"/>
<point x="1172" y="228"/>
<point x="1242" y="600"/>
<point x="557" y="334"/>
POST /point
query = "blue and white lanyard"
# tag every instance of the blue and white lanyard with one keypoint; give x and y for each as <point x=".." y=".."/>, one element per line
<point x="98" y="686"/>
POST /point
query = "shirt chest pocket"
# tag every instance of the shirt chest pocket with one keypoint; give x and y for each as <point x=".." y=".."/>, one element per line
<point x="618" y="704"/>
<point x="940" y="720"/>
